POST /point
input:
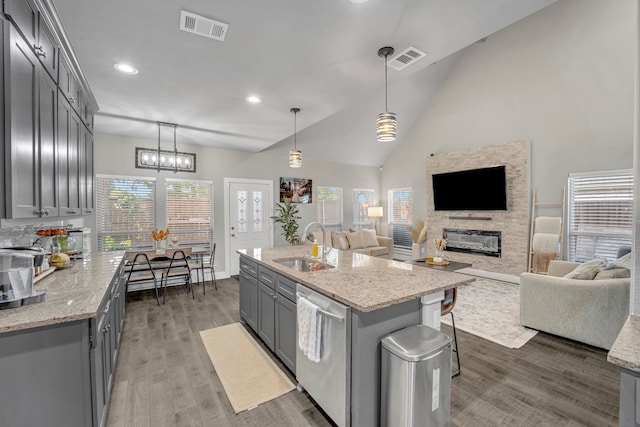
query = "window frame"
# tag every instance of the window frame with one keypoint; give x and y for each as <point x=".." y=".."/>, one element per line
<point x="209" y="230"/>
<point x="399" y="231"/>
<point x="366" y="222"/>
<point x="330" y="226"/>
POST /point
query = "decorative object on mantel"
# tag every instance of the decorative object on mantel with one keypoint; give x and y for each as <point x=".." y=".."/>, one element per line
<point x="287" y="215"/>
<point x="165" y="160"/>
<point x="375" y="212"/>
<point x="441" y="245"/>
<point x="295" y="155"/>
<point x="418" y="233"/>
<point x="386" y="123"/>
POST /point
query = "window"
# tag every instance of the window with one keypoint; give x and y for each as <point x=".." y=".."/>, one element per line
<point x="401" y="216"/>
<point x="329" y="207"/>
<point x="362" y="199"/>
<point x="600" y="214"/>
<point x="125" y="212"/>
<point x="189" y="207"/>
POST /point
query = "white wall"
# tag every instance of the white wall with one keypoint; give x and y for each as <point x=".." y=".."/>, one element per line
<point x="562" y="79"/>
<point x="115" y="155"/>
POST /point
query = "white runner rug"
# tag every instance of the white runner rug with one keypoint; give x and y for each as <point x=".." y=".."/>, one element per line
<point x="491" y="310"/>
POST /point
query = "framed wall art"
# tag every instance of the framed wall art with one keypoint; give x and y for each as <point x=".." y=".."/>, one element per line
<point x="296" y="189"/>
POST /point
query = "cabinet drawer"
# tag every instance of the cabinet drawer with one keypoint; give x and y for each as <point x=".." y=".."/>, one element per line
<point x="266" y="276"/>
<point x="286" y="287"/>
<point x="249" y="267"/>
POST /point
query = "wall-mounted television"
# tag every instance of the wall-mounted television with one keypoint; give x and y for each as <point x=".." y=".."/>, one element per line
<point x="482" y="189"/>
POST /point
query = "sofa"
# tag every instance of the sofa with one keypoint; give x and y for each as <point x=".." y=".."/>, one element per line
<point x="363" y="241"/>
<point x="590" y="311"/>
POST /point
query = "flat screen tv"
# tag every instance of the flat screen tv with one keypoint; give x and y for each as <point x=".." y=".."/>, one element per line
<point x="471" y="190"/>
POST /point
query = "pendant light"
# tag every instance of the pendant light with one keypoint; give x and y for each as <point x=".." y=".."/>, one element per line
<point x="386" y="123"/>
<point x="295" y="155"/>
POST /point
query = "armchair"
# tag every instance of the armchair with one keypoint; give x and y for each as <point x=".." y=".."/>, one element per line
<point x="589" y="311"/>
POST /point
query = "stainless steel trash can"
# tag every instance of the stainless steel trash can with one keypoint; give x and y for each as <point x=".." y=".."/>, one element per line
<point x="415" y="384"/>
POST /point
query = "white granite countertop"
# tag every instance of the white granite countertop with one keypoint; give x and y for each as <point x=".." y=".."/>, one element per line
<point x="73" y="293"/>
<point x="360" y="281"/>
<point x="626" y="349"/>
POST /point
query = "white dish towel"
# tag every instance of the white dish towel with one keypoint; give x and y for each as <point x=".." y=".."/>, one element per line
<point x="309" y="329"/>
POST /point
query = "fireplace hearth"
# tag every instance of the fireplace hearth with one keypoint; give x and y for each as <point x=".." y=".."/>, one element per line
<point x="479" y="242"/>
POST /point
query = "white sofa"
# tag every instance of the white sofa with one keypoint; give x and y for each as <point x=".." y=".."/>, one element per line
<point x="383" y="246"/>
<point x="589" y="311"/>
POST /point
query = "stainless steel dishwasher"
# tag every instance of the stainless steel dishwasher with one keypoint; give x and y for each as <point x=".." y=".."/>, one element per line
<point x="328" y="381"/>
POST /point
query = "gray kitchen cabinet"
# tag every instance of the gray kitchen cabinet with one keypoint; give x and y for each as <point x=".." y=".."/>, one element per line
<point x="285" y="334"/>
<point x="30" y="106"/>
<point x="267" y="315"/>
<point x="249" y="293"/>
<point x="68" y="143"/>
<point x="64" y="370"/>
<point x="68" y="84"/>
<point x="86" y="172"/>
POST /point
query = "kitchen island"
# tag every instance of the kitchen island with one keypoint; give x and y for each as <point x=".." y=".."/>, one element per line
<point x="380" y="296"/>
<point x="58" y="356"/>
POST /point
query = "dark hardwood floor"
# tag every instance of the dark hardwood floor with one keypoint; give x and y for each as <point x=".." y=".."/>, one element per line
<point x="165" y="378"/>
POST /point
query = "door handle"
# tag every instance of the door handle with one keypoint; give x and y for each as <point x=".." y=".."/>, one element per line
<point x="233" y="234"/>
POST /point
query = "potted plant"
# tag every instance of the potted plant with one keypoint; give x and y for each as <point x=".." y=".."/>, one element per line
<point x="418" y="233"/>
<point x="287" y="215"/>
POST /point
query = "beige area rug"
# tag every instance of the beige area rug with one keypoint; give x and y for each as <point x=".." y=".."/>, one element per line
<point x="247" y="373"/>
<point x="491" y="310"/>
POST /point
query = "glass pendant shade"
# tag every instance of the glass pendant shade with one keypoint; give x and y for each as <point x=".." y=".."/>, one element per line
<point x="295" y="159"/>
<point x="386" y="127"/>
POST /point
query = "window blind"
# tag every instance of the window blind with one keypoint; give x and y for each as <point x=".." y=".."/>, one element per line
<point x="329" y="207"/>
<point x="189" y="211"/>
<point x="362" y="200"/>
<point x="400" y="216"/>
<point x="600" y="214"/>
<point x="125" y="212"/>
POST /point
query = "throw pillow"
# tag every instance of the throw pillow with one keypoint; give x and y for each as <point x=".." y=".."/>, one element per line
<point x="339" y="241"/>
<point x="356" y="241"/>
<point x="613" y="273"/>
<point x="622" y="262"/>
<point x="370" y="239"/>
<point x="586" y="270"/>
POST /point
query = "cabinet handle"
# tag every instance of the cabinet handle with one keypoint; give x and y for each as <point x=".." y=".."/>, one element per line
<point x="72" y="212"/>
<point x="275" y="296"/>
<point x="72" y="100"/>
<point x="46" y="212"/>
<point x="40" y="51"/>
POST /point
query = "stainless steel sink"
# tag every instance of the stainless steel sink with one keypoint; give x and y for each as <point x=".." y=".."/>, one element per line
<point x="304" y="264"/>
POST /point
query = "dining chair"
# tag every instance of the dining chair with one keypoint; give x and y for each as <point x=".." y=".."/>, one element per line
<point x="201" y="263"/>
<point x="141" y="270"/>
<point x="446" y="307"/>
<point x="178" y="268"/>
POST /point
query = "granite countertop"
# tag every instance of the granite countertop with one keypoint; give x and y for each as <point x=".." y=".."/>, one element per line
<point x="363" y="282"/>
<point x="73" y="293"/>
<point x="626" y="349"/>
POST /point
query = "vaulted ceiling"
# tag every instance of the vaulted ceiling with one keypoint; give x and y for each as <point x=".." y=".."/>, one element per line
<point x="320" y="56"/>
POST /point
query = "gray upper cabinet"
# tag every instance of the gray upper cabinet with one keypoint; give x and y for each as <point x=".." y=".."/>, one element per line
<point x="48" y="118"/>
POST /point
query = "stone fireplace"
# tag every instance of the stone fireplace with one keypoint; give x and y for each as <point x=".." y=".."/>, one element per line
<point x="480" y="242"/>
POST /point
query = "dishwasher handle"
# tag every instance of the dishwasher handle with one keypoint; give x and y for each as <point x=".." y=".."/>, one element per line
<point x="323" y="312"/>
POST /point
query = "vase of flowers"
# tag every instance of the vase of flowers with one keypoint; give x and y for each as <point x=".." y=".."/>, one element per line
<point x="441" y="245"/>
<point x="160" y="239"/>
<point x="418" y="233"/>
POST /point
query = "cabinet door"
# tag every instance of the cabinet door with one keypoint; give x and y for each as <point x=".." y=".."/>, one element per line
<point x="47" y="106"/>
<point x="88" y="193"/>
<point x="249" y="300"/>
<point x="285" y="346"/>
<point x="24" y="15"/>
<point x="21" y="100"/>
<point x="74" y="161"/>
<point x="266" y="315"/>
<point x="47" y="49"/>
<point x="101" y="368"/>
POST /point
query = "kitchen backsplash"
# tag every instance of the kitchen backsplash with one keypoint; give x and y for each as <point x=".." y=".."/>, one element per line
<point x="25" y="234"/>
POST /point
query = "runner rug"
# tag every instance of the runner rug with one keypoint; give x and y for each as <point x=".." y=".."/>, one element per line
<point x="491" y="310"/>
<point x="249" y="376"/>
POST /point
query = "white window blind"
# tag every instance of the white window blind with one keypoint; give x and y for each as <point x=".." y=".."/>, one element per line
<point x="125" y="213"/>
<point x="400" y="216"/>
<point x="189" y="211"/>
<point x="362" y="200"/>
<point x="600" y="214"/>
<point x="329" y="207"/>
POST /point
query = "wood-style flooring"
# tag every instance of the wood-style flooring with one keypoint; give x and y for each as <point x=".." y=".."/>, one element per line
<point x="165" y="378"/>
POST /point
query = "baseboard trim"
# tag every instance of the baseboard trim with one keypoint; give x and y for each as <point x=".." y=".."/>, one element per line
<point x="490" y="275"/>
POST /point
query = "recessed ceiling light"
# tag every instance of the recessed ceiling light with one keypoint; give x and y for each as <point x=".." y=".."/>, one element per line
<point x="125" y="68"/>
<point x="253" y="99"/>
<point x="359" y="1"/>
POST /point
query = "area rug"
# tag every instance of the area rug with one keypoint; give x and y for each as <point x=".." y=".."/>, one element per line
<point x="491" y="310"/>
<point x="247" y="373"/>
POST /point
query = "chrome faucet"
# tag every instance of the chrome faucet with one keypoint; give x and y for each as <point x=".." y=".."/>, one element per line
<point x="306" y="230"/>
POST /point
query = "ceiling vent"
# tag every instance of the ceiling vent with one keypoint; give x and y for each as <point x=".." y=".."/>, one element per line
<point x="405" y="58"/>
<point x="205" y="27"/>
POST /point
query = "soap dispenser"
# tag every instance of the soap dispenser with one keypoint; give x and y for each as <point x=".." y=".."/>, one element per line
<point x="314" y="249"/>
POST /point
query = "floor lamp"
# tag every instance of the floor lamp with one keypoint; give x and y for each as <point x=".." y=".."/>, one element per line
<point x="375" y="212"/>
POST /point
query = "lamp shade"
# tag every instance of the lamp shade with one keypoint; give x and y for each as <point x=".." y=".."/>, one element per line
<point x="375" y="212"/>
<point x="295" y="159"/>
<point x="386" y="127"/>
